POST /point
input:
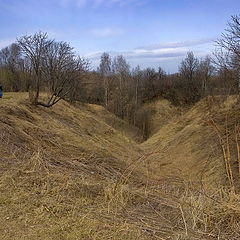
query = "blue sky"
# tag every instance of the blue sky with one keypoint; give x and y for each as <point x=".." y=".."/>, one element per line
<point x="147" y="32"/>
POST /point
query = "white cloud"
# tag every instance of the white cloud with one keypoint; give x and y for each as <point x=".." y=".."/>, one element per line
<point x="126" y="2"/>
<point x="167" y="55"/>
<point x="187" y="43"/>
<point x="98" y="3"/>
<point x="78" y="3"/>
<point x="92" y="55"/>
<point x="106" y="32"/>
<point x="136" y="54"/>
<point x="162" y="51"/>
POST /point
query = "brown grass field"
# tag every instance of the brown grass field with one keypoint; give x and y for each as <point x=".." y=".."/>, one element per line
<point x="76" y="172"/>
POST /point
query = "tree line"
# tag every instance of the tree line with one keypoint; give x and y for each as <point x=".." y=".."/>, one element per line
<point x="51" y="71"/>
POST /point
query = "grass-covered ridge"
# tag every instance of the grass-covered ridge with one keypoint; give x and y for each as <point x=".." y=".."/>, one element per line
<point x="78" y="172"/>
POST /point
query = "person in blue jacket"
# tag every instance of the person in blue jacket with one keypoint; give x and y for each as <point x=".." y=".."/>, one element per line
<point x="1" y="91"/>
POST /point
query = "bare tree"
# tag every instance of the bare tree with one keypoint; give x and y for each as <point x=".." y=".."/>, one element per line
<point x="188" y="67"/>
<point x="230" y="41"/>
<point x="79" y="81"/>
<point x="11" y="62"/>
<point x="60" y="69"/>
<point x="137" y="75"/>
<point x="121" y="69"/>
<point x="34" y="49"/>
<point x="205" y="72"/>
<point x="227" y="55"/>
<point x="149" y="84"/>
<point x="53" y="65"/>
<point x="188" y="73"/>
<point x="105" y="71"/>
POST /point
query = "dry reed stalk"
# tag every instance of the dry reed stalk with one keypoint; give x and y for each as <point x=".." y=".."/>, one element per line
<point x="238" y="149"/>
<point x="228" y="152"/>
<point x="184" y="220"/>
<point x="225" y="151"/>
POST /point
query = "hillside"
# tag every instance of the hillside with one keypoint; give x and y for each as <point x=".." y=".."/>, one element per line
<point x="161" y="111"/>
<point x="187" y="145"/>
<point x="54" y="161"/>
<point x="79" y="172"/>
<point x="65" y="129"/>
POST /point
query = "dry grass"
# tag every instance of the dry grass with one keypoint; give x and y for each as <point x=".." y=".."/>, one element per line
<point x="162" y="111"/>
<point x="77" y="173"/>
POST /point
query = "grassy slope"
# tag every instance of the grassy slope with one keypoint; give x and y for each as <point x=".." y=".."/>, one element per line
<point x="187" y="143"/>
<point x="78" y="173"/>
<point x="161" y="112"/>
<point x="187" y="148"/>
<point x="57" y="169"/>
<point x="66" y="126"/>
